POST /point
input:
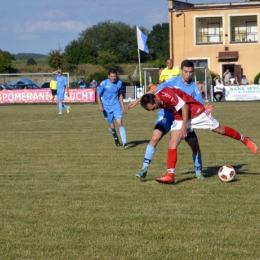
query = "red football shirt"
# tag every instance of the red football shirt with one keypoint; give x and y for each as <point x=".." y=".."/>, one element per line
<point x="173" y="99"/>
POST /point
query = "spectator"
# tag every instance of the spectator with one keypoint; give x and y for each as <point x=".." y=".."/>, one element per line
<point x="217" y="78"/>
<point x="236" y="82"/>
<point x="203" y="89"/>
<point x="227" y="76"/>
<point x="218" y="91"/>
<point x="82" y="83"/>
<point x="151" y="86"/>
<point x="93" y="84"/>
<point x="244" y="80"/>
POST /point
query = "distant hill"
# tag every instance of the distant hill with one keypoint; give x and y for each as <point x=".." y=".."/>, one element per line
<point x="26" y="56"/>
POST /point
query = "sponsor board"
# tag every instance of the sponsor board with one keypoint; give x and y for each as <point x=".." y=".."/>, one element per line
<point x="44" y="96"/>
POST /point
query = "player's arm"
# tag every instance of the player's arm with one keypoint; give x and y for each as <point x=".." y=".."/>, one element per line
<point x="135" y="102"/>
<point x="55" y="72"/>
<point x="67" y="90"/>
<point x="122" y="103"/>
<point x="185" y="117"/>
<point x="99" y="93"/>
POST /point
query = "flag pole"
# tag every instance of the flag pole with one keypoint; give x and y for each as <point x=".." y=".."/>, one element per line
<point x="139" y="63"/>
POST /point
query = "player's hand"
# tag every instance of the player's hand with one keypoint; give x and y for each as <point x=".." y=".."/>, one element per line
<point x="209" y="107"/>
<point x="100" y="108"/>
<point x="183" y="133"/>
<point x="124" y="111"/>
<point x="132" y="104"/>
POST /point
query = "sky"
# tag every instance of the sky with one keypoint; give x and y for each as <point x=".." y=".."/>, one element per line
<point x="39" y="26"/>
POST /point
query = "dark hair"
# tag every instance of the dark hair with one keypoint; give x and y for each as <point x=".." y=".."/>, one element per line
<point x="187" y="63"/>
<point x="147" y="99"/>
<point x="113" y="71"/>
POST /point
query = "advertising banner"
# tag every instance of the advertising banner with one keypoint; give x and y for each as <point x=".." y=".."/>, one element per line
<point x="242" y="93"/>
<point x="44" y="96"/>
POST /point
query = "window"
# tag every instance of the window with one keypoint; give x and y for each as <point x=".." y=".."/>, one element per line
<point x="244" y="29"/>
<point x="209" y="30"/>
<point x="200" y="63"/>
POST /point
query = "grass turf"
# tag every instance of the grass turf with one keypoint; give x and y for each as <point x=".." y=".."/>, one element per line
<point x="67" y="192"/>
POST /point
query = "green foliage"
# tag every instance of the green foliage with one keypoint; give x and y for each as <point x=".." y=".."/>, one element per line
<point x="213" y="75"/>
<point x="98" y="76"/>
<point x="116" y="38"/>
<point x="31" y="62"/>
<point x="158" y="42"/>
<point x="57" y="59"/>
<point x="5" y="61"/>
<point x="256" y="79"/>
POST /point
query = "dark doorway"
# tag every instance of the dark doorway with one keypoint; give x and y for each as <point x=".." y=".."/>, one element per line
<point x="230" y="67"/>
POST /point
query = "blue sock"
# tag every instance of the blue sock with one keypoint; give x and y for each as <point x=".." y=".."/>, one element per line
<point x="150" y="150"/>
<point x="113" y="132"/>
<point x="197" y="163"/>
<point x="60" y="107"/>
<point x="65" y="106"/>
<point x="122" y="134"/>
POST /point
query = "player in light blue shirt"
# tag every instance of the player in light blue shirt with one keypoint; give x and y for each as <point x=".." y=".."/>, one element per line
<point x="110" y="102"/>
<point x="163" y="126"/>
<point x="62" y="84"/>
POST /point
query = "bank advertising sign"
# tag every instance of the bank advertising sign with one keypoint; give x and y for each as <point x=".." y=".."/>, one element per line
<point x="44" y="96"/>
<point x="242" y="93"/>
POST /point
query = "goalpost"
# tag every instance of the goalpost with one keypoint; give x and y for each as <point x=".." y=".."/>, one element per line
<point x="201" y="74"/>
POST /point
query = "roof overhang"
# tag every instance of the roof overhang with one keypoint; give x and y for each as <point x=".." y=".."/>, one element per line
<point x="226" y="55"/>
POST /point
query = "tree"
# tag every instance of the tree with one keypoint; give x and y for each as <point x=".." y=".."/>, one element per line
<point x="158" y="42"/>
<point x="55" y="59"/>
<point x="116" y="38"/>
<point x="31" y="62"/>
<point x="5" y="61"/>
<point x="80" y="52"/>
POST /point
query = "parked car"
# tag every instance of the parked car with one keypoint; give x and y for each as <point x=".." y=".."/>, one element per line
<point x="2" y="87"/>
<point x="46" y="85"/>
<point x="22" y="83"/>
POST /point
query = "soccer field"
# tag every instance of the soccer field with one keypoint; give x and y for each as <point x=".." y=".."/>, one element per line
<point x="67" y="192"/>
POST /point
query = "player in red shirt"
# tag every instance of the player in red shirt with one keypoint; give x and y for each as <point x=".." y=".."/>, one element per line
<point x="189" y="114"/>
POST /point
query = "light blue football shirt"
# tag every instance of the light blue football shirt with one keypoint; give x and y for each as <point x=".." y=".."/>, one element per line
<point x="191" y="89"/>
<point x="109" y="93"/>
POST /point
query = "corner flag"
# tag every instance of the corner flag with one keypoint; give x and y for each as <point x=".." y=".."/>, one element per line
<point x="141" y="40"/>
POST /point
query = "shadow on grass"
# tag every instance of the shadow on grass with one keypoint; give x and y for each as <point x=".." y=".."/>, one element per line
<point x="211" y="171"/>
<point x="135" y="143"/>
<point x="208" y="173"/>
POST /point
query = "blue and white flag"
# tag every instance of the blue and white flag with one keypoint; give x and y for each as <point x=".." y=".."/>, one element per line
<point x="141" y="40"/>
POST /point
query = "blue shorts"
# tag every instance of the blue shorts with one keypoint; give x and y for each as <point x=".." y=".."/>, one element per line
<point x="60" y="95"/>
<point x="116" y="113"/>
<point x="164" y="121"/>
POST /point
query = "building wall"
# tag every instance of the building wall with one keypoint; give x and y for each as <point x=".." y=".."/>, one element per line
<point x="183" y="40"/>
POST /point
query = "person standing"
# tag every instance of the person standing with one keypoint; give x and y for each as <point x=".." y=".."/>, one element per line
<point x="53" y="87"/>
<point x="169" y="72"/>
<point x="110" y="102"/>
<point x="62" y="85"/>
<point x="82" y="83"/>
<point x="227" y="76"/>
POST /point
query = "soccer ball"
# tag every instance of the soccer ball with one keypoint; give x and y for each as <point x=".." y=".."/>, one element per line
<point x="226" y="173"/>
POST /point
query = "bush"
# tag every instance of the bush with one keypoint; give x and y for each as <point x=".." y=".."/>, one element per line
<point x="256" y="80"/>
<point x="98" y="76"/>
